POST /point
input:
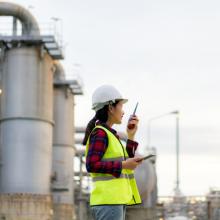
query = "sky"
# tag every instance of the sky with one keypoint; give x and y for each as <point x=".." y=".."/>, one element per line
<point x="163" y="54"/>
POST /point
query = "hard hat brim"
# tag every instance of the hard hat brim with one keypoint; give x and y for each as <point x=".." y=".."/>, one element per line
<point x="124" y="100"/>
<point x="98" y="106"/>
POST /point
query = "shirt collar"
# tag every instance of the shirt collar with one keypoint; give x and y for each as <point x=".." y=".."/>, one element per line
<point x="106" y="126"/>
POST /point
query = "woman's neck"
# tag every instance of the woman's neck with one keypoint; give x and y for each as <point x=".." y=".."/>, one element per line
<point x="109" y="123"/>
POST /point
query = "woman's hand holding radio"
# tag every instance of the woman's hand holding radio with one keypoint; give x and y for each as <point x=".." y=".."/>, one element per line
<point x="132" y="127"/>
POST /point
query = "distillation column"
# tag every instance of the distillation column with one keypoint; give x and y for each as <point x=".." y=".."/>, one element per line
<point x="26" y="123"/>
<point x="63" y="147"/>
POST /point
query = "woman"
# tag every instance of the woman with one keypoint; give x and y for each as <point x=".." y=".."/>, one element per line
<point x="109" y="163"/>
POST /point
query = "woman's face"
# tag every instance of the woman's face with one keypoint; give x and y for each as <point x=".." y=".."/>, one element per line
<point x="116" y="113"/>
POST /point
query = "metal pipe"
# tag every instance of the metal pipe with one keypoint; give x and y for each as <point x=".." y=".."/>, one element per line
<point x="81" y="130"/>
<point x="59" y="74"/>
<point x="80" y="189"/>
<point x="14" y="33"/>
<point x="177" y="190"/>
<point x="29" y="24"/>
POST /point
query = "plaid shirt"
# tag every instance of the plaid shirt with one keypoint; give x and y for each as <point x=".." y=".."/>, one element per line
<point x="97" y="146"/>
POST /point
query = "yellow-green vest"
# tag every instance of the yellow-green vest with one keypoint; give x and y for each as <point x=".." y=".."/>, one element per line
<point x="108" y="189"/>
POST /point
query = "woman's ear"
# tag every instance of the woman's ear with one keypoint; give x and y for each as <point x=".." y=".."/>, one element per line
<point x="110" y="108"/>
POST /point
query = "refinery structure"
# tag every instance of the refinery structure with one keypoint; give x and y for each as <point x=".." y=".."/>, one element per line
<point x="39" y="141"/>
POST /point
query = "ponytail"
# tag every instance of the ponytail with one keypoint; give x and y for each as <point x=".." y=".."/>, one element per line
<point x="89" y="128"/>
<point x="102" y="116"/>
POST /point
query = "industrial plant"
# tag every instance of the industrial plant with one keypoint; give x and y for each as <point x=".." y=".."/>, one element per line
<point x="42" y="161"/>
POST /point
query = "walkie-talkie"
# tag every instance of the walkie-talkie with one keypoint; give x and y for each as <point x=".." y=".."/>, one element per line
<point x="131" y="126"/>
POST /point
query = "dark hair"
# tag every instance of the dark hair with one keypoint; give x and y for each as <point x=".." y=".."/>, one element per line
<point x="102" y="116"/>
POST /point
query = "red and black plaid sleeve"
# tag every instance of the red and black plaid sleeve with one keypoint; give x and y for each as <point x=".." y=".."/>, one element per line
<point x="97" y="147"/>
<point x="131" y="147"/>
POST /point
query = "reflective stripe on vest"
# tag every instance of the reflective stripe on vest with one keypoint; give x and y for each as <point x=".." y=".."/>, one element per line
<point x="108" y="189"/>
<point x="104" y="178"/>
<point x="114" y="159"/>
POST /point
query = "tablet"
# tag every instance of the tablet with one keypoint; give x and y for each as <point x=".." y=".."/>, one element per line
<point x="146" y="157"/>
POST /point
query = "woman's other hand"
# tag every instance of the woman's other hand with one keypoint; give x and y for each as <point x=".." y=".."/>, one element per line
<point x="131" y="163"/>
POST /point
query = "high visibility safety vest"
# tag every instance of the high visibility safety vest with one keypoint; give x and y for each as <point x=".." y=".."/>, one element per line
<point x="108" y="189"/>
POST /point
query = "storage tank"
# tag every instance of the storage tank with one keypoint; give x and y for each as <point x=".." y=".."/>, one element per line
<point x="26" y="121"/>
<point x="63" y="147"/>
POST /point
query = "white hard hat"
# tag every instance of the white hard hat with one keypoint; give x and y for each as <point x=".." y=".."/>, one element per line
<point x="103" y="95"/>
